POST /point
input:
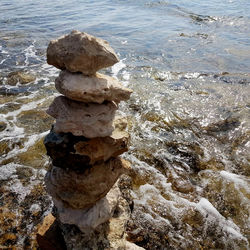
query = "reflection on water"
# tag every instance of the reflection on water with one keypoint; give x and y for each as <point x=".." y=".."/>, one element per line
<point x="188" y="64"/>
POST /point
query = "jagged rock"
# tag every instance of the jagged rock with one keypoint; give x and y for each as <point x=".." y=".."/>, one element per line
<point x="98" y="88"/>
<point x="102" y="148"/>
<point x="84" y="189"/>
<point x="89" y="218"/>
<point x="80" y="52"/>
<point x="77" y="152"/>
<point x="82" y="119"/>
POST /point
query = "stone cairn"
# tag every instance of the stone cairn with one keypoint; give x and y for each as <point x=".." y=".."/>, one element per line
<point x="86" y="140"/>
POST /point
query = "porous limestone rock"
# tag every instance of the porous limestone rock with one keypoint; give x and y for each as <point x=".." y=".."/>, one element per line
<point x="84" y="189"/>
<point x="80" y="52"/>
<point x="82" y="119"/>
<point x="78" y="152"/>
<point x="89" y="218"/>
<point x="107" y="236"/>
<point x="98" y="88"/>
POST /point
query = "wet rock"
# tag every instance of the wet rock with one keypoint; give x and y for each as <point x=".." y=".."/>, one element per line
<point x="80" y="52"/>
<point x="3" y="126"/>
<point x="19" y="77"/>
<point x="18" y="222"/>
<point x="89" y="218"/>
<point x="91" y="89"/>
<point x="83" y="119"/>
<point x="10" y="92"/>
<point x="6" y="145"/>
<point x="83" y="189"/>
<point x="49" y="236"/>
<point x="9" y="107"/>
<point x="182" y="185"/>
<point x="77" y="152"/>
<point x="8" y="239"/>
<point x="5" y="99"/>
<point x="34" y="156"/>
<point x="34" y="121"/>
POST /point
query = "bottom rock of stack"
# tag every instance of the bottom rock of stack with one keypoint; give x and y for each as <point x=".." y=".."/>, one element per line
<point x="110" y="235"/>
<point x="89" y="218"/>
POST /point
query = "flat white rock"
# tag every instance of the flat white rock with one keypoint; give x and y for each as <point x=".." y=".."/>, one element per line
<point x="98" y="88"/>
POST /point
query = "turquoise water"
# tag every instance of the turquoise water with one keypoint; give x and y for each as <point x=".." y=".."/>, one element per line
<point x="188" y="63"/>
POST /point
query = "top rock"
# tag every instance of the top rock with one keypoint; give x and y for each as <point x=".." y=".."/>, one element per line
<point x="80" y="52"/>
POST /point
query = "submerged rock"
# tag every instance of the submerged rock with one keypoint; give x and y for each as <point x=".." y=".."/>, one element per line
<point x="34" y="120"/>
<point x="77" y="152"/>
<point x="84" y="189"/>
<point x="97" y="88"/>
<point x="10" y="107"/>
<point x="82" y="119"/>
<point x="19" y="77"/>
<point x="3" y="126"/>
<point x="80" y="52"/>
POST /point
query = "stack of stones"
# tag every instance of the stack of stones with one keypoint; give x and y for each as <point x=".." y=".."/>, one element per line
<point x="87" y="138"/>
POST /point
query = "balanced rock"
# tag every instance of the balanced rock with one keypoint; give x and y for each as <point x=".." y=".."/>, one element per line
<point x="96" y="88"/>
<point x="82" y="119"/>
<point x="80" y="52"/>
<point x="89" y="218"/>
<point x="84" y="189"/>
<point x="78" y="152"/>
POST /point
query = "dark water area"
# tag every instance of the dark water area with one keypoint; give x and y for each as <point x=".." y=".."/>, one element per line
<point x="188" y="63"/>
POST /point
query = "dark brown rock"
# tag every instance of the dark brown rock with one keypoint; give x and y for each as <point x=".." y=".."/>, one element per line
<point x="77" y="152"/>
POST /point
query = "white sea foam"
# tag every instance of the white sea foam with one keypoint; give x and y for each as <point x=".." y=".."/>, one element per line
<point x="31" y="140"/>
<point x="35" y="208"/>
<point x="212" y="215"/>
<point x="30" y="52"/>
<point x="124" y="42"/>
<point x="115" y="69"/>
<point x="4" y="52"/>
<point x="240" y="181"/>
<point x="7" y="171"/>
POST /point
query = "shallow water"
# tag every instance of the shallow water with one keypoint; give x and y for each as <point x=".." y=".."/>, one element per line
<point x="188" y="63"/>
